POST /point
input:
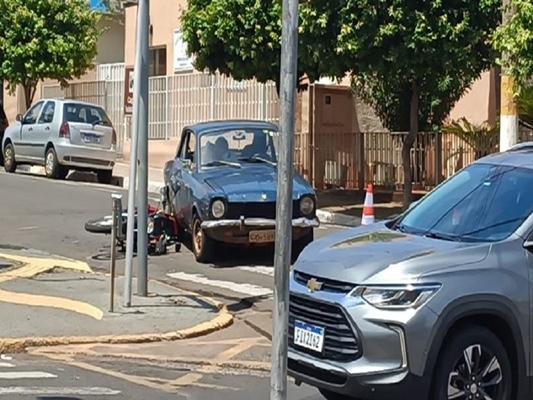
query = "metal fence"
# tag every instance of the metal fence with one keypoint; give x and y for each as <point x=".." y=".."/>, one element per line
<point x="176" y="101"/>
<point x="349" y="160"/>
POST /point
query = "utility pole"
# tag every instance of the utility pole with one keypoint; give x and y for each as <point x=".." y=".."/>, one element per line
<point x="138" y="157"/>
<point x="509" y="103"/>
<point x="282" y="257"/>
<point x="141" y="76"/>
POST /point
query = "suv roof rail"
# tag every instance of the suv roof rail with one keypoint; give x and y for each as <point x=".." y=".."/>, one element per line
<point x="522" y="146"/>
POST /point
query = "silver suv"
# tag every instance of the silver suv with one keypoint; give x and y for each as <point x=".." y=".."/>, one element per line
<point x="435" y="304"/>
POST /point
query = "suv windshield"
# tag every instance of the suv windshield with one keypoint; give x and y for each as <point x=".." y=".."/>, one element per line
<point x="483" y="202"/>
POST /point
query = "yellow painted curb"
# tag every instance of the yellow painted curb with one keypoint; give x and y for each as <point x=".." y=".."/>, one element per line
<point x="221" y="321"/>
<point x="36" y="265"/>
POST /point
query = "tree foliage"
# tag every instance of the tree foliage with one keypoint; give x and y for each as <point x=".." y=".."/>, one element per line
<point x="242" y="39"/>
<point x="46" y="39"/>
<point x="515" y="38"/>
<point x="413" y="60"/>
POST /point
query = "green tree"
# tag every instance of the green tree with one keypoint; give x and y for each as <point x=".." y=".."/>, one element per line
<point x="242" y="39"/>
<point x="516" y="39"/>
<point x="46" y="39"/>
<point x="413" y="60"/>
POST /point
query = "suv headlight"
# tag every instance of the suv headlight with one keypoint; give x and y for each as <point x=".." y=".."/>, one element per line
<point x="397" y="297"/>
<point x="307" y="205"/>
<point x="150" y="225"/>
<point x="218" y="209"/>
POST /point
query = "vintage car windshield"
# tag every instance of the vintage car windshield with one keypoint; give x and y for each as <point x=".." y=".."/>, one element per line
<point x="481" y="203"/>
<point x="238" y="147"/>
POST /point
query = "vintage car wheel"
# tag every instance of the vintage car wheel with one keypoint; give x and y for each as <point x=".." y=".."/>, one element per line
<point x="203" y="246"/>
<point x="299" y="245"/>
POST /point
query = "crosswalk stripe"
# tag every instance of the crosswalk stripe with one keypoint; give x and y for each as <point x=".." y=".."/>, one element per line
<point x="259" y="270"/>
<point x="58" y="391"/>
<point x="244" y="288"/>
<point x="6" y="365"/>
<point x="26" y="375"/>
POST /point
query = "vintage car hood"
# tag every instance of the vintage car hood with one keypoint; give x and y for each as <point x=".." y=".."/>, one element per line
<point x="252" y="183"/>
<point x="376" y="254"/>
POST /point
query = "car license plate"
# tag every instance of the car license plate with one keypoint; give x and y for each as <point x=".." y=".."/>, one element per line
<point x="262" y="236"/>
<point x="91" y="138"/>
<point x="309" y="336"/>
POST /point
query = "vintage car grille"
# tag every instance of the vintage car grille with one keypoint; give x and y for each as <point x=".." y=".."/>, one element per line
<point x="340" y="343"/>
<point x="258" y="210"/>
<point x="328" y="285"/>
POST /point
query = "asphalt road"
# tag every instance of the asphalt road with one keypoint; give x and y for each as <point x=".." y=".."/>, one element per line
<point x="28" y="377"/>
<point x="50" y="215"/>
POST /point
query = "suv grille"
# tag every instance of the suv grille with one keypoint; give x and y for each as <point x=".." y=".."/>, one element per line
<point x="258" y="210"/>
<point x="340" y="343"/>
<point x="328" y="285"/>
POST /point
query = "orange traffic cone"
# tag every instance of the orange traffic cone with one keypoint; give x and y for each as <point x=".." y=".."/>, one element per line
<point x="368" y="207"/>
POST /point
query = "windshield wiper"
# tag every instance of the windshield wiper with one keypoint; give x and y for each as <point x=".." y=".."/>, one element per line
<point x="442" y="236"/>
<point x="221" y="162"/>
<point x="257" y="158"/>
<point x="493" y="226"/>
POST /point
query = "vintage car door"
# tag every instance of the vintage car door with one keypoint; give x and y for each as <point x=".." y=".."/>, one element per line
<point x="181" y="175"/>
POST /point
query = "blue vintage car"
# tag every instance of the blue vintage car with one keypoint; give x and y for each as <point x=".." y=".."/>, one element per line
<point x="222" y="186"/>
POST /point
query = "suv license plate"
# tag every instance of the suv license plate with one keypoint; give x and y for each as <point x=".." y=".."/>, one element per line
<point x="309" y="336"/>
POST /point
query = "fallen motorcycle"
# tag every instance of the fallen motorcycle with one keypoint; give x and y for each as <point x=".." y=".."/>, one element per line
<point x="163" y="229"/>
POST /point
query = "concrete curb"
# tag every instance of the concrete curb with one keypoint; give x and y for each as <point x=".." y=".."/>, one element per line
<point x="325" y="217"/>
<point x="223" y="320"/>
<point x="333" y="218"/>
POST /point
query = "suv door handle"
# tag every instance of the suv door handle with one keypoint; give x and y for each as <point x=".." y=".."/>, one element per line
<point x="30" y="129"/>
<point x="47" y="128"/>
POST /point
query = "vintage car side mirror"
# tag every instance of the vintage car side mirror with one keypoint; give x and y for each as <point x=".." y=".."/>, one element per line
<point x="19" y="118"/>
<point x="186" y="163"/>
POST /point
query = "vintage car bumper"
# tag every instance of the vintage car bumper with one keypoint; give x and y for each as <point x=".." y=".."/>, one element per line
<point x="244" y="223"/>
<point x="254" y="231"/>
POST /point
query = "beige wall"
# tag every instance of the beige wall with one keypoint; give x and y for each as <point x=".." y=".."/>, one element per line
<point x="111" y="43"/>
<point x="164" y="18"/>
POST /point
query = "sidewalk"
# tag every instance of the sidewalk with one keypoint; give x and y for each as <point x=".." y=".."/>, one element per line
<point x="44" y="305"/>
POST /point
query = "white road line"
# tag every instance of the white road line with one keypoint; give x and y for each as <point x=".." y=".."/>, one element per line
<point x="26" y="375"/>
<point x="263" y="270"/>
<point x="58" y="391"/>
<point x="6" y="365"/>
<point x="244" y="288"/>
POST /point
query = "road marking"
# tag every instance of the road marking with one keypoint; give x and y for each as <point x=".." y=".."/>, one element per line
<point x="58" y="391"/>
<point x="263" y="270"/>
<point x="244" y="288"/>
<point x="6" y="365"/>
<point x="26" y="375"/>
<point x="52" y="302"/>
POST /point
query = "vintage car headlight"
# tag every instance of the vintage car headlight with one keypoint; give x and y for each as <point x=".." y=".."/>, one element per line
<point x="307" y="205"/>
<point x="218" y="209"/>
<point x="150" y="225"/>
<point x="397" y="297"/>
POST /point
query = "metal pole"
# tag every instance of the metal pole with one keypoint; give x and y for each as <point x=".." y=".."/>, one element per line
<point x="130" y="224"/>
<point x="117" y="213"/>
<point x="509" y="103"/>
<point x="282" y="257"/>
<point x="141" y="77"/>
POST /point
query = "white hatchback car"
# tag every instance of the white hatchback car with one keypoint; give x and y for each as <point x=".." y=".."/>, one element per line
<point x="62" y="135"/>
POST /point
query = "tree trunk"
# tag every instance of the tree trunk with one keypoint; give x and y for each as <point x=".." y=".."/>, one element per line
<point x="408" y="145"/>
<point x="29" y="93"/>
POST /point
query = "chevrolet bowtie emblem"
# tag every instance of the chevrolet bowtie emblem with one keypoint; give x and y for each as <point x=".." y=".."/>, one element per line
<point x="314" y="285"/>
<point x="263" y="196"/>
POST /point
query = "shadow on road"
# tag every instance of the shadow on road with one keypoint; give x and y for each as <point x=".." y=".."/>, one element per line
<point x="78" y="176"/>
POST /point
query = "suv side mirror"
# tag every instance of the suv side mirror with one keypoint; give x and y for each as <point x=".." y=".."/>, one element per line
<point x="19" y="118"/>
